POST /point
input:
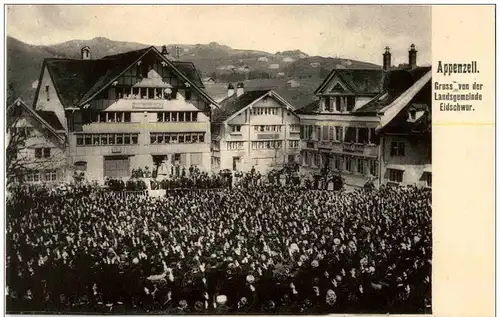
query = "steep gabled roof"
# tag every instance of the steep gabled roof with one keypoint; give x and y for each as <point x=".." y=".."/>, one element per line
<point x="310" y="108"/>
<point x="190" y="71"/>
<point x="233" y="104"/>
<point x="78" y="81"/>
<point x="53" y="125"/>
<point x="393" y="109"/>
<point x="361" y="81"/>
<point x="396" y="82"/>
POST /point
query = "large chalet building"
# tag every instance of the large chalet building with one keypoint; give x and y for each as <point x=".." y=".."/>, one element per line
<point x="126" y="111"/>
<point x="342" y="129"/>
<point x="254" y="129"/>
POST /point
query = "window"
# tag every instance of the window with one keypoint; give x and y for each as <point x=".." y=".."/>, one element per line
<point x="316" y="159"/>
<point x="395" y="175"/>
<point x="350" y="135"/>
<point x="235" y="128"/>
<point x="325" y="133"/>
<point x="337" y="104"/>
<point x="46" y="152"/>
<point x="397" y="149"/>
<point x="38" y="153"/>
<point x="201" y="137"/>
<point x="339" y="131"/>
<point x="351" y="102"/>
<point x="348" y="164"/>
<point x="373" y="167"/>
<point x="79" y="139"/>
<point x="413" y="114"/>
<point x="360" y="166"/>
<point x="293" y="144"/>
<point x="50" y="176"/>
<point x="295" y="128"/>
<point x="363" y="135"/>
<point x="373" y="136"/>
<point x="47" y="92"/>
<point x="328" y="104"/>
<point x="235" y="145"/>
<point x="337" y="161"/>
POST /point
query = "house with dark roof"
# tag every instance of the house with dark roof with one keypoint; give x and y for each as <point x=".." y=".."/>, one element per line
<point x="339" y="129"/>
<point x="36" y="145"/>
<point x="406" y="134"/>
<point x="256" y="129"/>
<point x="126" y="111"/>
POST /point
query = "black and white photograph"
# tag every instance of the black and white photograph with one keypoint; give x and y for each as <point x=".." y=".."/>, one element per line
<point x="218" y="159"/>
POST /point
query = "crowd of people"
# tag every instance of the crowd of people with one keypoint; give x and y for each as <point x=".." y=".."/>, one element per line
<point x="257" y="249"/>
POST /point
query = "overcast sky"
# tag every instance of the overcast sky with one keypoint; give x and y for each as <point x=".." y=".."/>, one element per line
<point x="351" y="31"/>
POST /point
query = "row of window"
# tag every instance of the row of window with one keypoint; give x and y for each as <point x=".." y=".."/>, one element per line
<point x="147" y="93"/>
<point x="339" y="134"/>
<point x="166" y="138"/>
<point x="177" y="116"/>
<point x="42" y="176"/>
<point x="264" y="111"/>
<point x="396" y="176"/>
<point x="267" y="128"/>
<point x="42" y="152"/>
<point x="339" y="104"/>
<point x="234" y="145"/>
<point x="264" y="145"/>
<point x="111" y="117"/>
<point x="101" y="139"/>
<point x="341" y="163"/>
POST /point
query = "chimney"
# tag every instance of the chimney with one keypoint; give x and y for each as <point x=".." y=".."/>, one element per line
<point x="85" y="52"/>
<point x="230" y="90"/>
<point x="240" y="89"/>
<point x="387" y="59"/>
<point x="164" y="51"/>
<point x="412" y="56"/>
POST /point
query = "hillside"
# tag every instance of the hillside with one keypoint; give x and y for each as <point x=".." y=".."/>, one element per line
<point x="221" y="62"/>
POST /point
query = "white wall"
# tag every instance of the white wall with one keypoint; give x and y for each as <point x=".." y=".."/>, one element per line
<point x="54" y="104"/>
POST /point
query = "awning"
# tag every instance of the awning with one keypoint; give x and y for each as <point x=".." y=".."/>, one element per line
<point x="428" y="169"/>
<point x="396" y="167"/>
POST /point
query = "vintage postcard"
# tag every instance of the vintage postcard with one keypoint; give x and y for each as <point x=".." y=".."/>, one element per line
<point x="249" y="159"/>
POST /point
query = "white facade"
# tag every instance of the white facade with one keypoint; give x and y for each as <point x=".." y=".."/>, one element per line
<point x="265" y="135"/>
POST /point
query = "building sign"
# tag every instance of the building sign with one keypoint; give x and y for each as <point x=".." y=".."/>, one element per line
<point x="147" y="105"/>
<point x="272" y="136"/>
<point x="352" y="147"/>
<point x="115" y="150"/>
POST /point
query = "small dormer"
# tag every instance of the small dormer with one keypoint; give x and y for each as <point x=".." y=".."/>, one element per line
<point x="85" y="52"/>
<point x="416" y="111"/>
